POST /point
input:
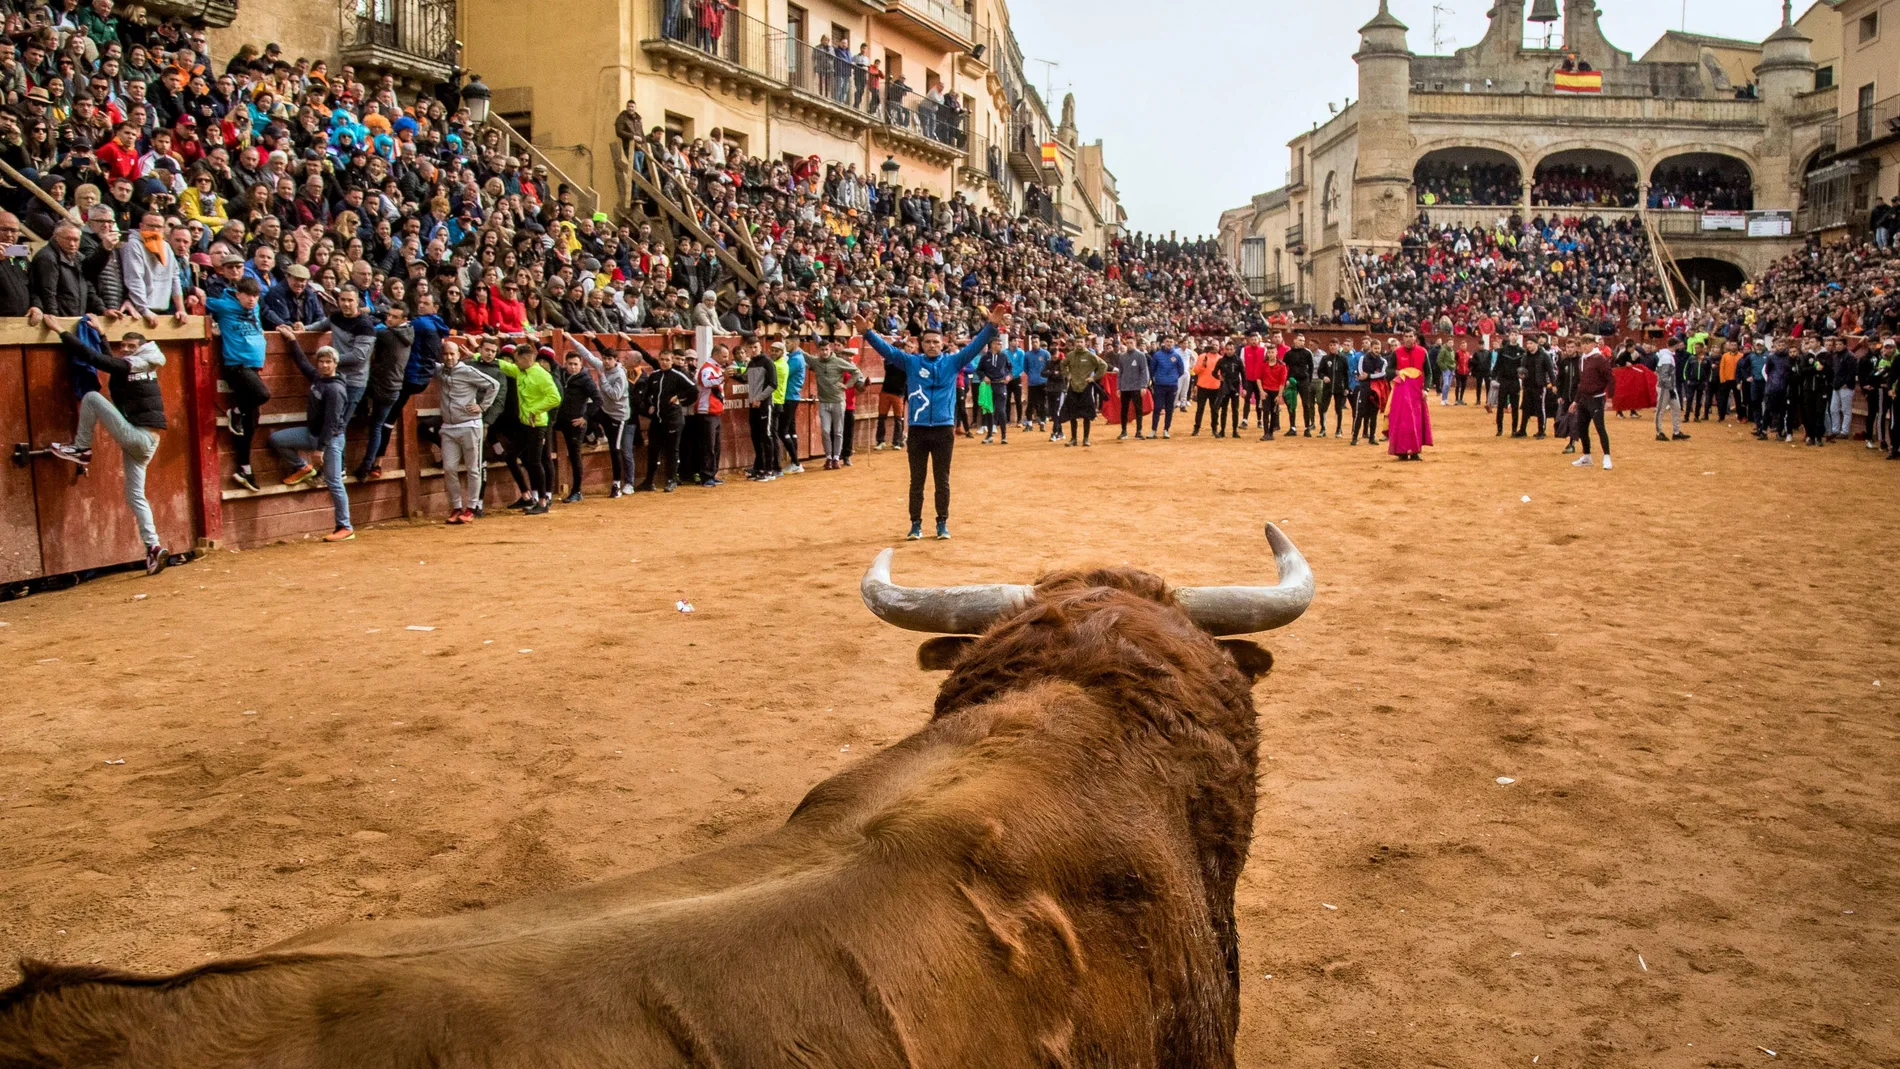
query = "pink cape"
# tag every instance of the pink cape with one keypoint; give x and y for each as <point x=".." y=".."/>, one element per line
<point x="1408" y="423"/>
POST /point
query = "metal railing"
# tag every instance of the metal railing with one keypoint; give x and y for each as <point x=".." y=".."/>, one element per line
<point x="1296" y="176"/>
<point x="775" y="56"/>
<point x="951" y="17"/>
<point x="985" y="156"/>
<point x="422" y="28"/>
<point x="1296" y="235"/>
<point x="1875" y="122"/>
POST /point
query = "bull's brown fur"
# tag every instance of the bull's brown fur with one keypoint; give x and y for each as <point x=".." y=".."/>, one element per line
<point x="1042" y="876"/>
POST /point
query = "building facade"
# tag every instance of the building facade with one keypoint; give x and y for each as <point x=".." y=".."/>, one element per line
<point x="1752" y="118"/>
<point x="1863" y="163"/>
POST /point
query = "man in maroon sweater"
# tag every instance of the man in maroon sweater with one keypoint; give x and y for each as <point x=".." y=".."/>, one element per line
<point x="1594" y="380"/>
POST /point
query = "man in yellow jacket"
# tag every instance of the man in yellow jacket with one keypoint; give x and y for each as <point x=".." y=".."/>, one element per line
<point x="535" y="396"/>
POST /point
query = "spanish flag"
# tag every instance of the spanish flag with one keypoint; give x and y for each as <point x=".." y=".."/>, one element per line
<point x="1048" y="153"/>
<point x="1579" y="81"/>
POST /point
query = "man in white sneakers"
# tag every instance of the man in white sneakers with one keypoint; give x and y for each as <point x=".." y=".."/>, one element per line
<point x="133" y="416"/>
<point x="1594" y="381"/>
<point x="465" y="394"/>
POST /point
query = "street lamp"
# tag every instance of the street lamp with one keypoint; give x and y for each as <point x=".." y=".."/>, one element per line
<point x="475" y="98"/>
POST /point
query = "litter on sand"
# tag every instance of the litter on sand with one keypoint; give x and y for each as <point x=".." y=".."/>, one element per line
<point x="120" y="761"/>
<point x="683" y="606"/>
<point x="248" y="712"/>
<point x="524" y="651"/>
<point x="1640" y="961"/>
<point x="418" y="627"/>
<point x="140" y="597"/>
<point x="1768" y="1052"/>
<point x="1505" y="781"/>
<point x="1526" y="499"/>
<point x="844" y="749"/>
<point x="1329" y="905"/>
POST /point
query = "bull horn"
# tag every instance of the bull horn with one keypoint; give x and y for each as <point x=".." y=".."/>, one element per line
<point x="954" y="610"/>
<point x="1246" y="610"/>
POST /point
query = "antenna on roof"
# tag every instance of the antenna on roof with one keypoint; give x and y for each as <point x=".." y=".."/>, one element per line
<point x="1439" y="36"/>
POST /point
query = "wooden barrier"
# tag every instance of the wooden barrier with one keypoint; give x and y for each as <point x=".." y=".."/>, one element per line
<point x="58" y="520"/>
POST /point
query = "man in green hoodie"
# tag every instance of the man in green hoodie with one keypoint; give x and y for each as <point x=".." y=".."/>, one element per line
<point x="535" y="396"/>
<point x="834" y="371"/>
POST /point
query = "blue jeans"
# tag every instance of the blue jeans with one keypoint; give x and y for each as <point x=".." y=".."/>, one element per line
<point x="292" y="442"/>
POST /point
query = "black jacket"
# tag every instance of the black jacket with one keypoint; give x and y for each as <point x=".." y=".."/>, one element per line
<point x="327" y="412"/>
<point x="674" y="394"/>
<point x="16" y="297"/>
<point x="57" y="285"/>
<point x="1540" y="369"/>
<point x="138" y="400"/>
<point x="387" y="361"/>
<point x="1506" y="367"/>
<point x="1299" y="364"/>
<point x="580" y="397"/>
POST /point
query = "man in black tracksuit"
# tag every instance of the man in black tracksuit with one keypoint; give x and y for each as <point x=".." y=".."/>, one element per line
<point x="1365" y="418"/>
<point x="1333" y="376"/>
<point x="673" y="393"/>
<point x="1540" y="377"/>
<point x="1231" y="371"/>
<point x="580" y="401"/>
<point x="1299" y="368"/>
<point x="1505" y="371"/>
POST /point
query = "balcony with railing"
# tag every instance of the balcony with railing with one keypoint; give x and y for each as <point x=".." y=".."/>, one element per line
<point x="1296" y="176"/>
<point x="1025" y="152"/>
<point x="1862" y="128"/>
<point x="412" y="39"/>
<point x="1296" y="236"/>
<point x="945" y="20"/>
<point x="742" y="54"/>
<point x="983" y="158"/>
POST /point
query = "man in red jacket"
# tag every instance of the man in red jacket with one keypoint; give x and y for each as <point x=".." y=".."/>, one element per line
<point x="1594" y="381"/>
<point x="119" y="157"/>
<point x="1253" y="361"/>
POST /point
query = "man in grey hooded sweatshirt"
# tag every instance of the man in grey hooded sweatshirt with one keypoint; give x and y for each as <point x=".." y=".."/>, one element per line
<point x="1132" y="378"/>
<point x="466" y="393"/>
<point x="615" y="412"/>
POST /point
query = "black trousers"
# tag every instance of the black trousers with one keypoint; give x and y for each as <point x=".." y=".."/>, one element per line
<point x="1227" y="412"/>
<point x="997" y="418"/>
<point x="1309" y="400"/>
<point x="1335" y="399"/>
<point x="1269" y="413"/>
<point x="699" y="447"/>
<point x="531" y="448"/>
<point x="1775" y="413"/>
<point x="1249" y="398"/>
<point x="1202" y="398"/>
<point x="1015" y="410"/>
<point x="1535" y="401"/>
<point x="1724" y="397"/>
<point x="248" y="395"/>
<point x="1459" y="382"/>
<point x="663" y="448"/>
<point x="1589" y="411"/>
<point x="1508" y="398"/>
<point x="1038" y="408"/>
<point x="764" y="445"/>
<point x="786" y="420"/>
<point x="929" y="449"/>
<point x="1131" y="405"/>
<point x="571" y="436"/>
<point x="1164" y="408"/>
<point x="850" y="431"/>
<point x="1365" y="416"/>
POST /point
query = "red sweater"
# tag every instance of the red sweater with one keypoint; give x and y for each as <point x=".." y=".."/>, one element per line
<point x="1595" y="378"/>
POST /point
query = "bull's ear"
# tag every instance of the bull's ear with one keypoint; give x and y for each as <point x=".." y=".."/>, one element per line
<point x="940" y="654"/>
<point x="1248" y="656"/>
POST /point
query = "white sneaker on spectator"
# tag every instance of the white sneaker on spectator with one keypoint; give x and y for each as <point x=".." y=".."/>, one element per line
<point x="1581" y="462"/>
<point x="1606" y="462"/>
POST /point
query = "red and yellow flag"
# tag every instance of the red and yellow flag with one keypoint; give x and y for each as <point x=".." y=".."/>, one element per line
<point x="1579" y="81"/>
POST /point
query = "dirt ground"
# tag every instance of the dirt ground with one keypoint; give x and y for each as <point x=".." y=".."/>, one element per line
<point x="1697" y="861"/>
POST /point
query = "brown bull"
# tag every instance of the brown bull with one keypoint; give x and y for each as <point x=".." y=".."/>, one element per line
<point x="1042" y="876"/>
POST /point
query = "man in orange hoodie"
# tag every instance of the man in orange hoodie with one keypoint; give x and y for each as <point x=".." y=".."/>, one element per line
<point x="1207" y="382"/>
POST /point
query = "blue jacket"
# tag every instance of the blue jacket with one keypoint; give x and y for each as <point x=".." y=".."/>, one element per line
<point x="280" y="307"/>
<point x="1035" y="363"/>
<point x="932" y="400"/>
<point x="794" y="375"/>
<point x="239" y="331"/>
<point x="1016" y="360"/>
<point x="1353" y="360"/>
<point x="425" y="354"/>
<point x="1165" y="367"/>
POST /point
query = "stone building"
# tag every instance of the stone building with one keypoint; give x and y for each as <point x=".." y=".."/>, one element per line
<point x="1695" y="112"/>
<point x="560" y="71"/>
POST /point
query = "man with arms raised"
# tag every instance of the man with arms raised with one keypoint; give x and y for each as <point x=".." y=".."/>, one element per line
<point x="931" y="408"/>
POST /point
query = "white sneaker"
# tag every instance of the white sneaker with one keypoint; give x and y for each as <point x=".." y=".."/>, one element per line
<point x="796" y="469"/>
<point x="1580" y="462"/>
<point x="1606" y="463"/>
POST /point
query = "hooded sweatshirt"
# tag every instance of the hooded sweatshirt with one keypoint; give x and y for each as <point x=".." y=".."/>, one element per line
<point x="389" y="357"/>
<point x="353" y="338"/>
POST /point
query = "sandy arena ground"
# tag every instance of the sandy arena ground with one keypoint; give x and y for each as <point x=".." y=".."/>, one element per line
<point x="1676" y="663"/>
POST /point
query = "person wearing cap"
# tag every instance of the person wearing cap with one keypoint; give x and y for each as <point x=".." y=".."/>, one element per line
<point x="292" y="301"/>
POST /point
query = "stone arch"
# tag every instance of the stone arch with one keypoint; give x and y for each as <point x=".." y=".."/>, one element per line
<point x="1703" y="148"/>
<point x="1720" y="271"/>
<point x="1585" y="173"/>
<point x="1469" y="172"/>
<point x="1723" y="181"/>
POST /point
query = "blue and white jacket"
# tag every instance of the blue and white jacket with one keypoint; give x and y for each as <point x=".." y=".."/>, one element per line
<point x="932" y="400"/>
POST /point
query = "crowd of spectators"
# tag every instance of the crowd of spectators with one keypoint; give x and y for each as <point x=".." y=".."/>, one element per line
<point x="1549" y="273"/>
<point x="1577" y="186"/>
<point x="1441" y="183"/>
<point x="1700" y="189"/>
<point x="1846" y="289"/>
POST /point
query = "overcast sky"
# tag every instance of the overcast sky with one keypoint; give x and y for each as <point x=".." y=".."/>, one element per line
<point x="1197" y="108"/>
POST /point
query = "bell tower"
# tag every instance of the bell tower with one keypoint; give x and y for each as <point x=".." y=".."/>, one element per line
<point x="1382" y="189"/>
